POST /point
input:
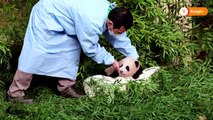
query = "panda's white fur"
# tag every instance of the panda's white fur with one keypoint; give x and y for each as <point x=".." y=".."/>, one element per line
<point x="129" y="67"/>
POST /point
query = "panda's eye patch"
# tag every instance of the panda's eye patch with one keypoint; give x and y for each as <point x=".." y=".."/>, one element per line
<point x="121" y="65"/>
<point x="127" y="68"/>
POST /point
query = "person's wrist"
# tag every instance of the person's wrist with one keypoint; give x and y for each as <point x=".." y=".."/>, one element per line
<point x="116" y="65"/>
<point x="113" y="61"/>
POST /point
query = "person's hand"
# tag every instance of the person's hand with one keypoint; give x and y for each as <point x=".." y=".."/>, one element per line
<point x="115" y="65"/>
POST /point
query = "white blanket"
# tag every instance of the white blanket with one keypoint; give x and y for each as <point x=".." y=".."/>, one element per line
<point x="107" y="85"/>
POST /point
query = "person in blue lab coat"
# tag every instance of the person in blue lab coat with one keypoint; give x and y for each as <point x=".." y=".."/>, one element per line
<point x="56" y="33"/>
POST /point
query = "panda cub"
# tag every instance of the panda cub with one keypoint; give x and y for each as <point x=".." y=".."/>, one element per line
<point x="129" y="67"/>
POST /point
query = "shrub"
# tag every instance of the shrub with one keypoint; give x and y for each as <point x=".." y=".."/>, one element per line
<point x="202" y="35"/>
<point x="158" y="40"/>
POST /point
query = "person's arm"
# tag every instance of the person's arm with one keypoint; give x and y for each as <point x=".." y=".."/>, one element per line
<point x="90" y="46"/>
<point x="122" y="44"/>
<point x="88" y="39"/>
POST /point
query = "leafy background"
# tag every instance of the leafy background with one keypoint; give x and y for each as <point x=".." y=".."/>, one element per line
<point x="182" y="89"/>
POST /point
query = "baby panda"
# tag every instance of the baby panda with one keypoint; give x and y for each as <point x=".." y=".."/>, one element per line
<point x="129" y="67"/>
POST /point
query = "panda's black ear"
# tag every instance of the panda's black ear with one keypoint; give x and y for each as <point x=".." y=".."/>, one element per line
<point x="103" y="73"/>
<point x="138" y="73"/>
<point x="136" y="64"/>
<point x="114" y="74"/>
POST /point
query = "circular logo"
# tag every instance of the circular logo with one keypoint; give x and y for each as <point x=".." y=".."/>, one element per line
<point x="184" y="11"/>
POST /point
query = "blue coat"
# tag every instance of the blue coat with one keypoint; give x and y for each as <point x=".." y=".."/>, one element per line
<point x="59" y="29"/>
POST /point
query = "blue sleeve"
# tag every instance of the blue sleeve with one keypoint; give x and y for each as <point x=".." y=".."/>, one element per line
<point x="88" y="38"/>
<point x="122" y="44"/>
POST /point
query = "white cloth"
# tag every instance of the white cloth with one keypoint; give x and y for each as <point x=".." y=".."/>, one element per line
<point x="59" y="29"/>
<point x="107" y="85"/>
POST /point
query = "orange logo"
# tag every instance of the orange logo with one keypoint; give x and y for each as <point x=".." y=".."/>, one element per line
<point x="193" y="11"/>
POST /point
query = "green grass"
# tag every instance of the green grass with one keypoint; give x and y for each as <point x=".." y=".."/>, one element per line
<point x="173" y="94"/>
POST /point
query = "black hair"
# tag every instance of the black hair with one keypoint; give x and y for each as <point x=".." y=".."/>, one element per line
<point x="121" y="16"/>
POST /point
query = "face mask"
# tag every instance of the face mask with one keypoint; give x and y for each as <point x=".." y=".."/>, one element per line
<point x="111" y="33"/>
